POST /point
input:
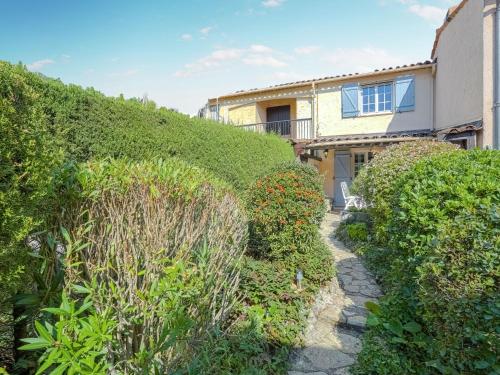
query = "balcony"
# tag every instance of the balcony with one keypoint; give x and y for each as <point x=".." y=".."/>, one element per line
<point x="299" y="129"/>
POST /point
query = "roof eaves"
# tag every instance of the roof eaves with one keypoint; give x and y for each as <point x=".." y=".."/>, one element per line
<point x="418" y="65"/>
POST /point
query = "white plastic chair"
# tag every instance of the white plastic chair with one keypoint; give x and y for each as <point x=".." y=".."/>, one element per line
<point x="351" y="200"/>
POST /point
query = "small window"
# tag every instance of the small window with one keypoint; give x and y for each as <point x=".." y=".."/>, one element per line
<point x="359" y="162"/>
<point x="368" y="99"/>
<point x="377" y="99"/>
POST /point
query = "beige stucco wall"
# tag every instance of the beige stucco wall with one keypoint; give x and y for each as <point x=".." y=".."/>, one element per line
<point x="304" y="109"/>
<point x="329" y="109"/>
<point x="242" y="114"/>
<point x="459" y="73"/>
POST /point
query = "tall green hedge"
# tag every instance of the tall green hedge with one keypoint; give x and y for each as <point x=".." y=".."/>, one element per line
<point x="441" y="270"/>
<point x="92" y="125"/>
<point x="28" y="155"/>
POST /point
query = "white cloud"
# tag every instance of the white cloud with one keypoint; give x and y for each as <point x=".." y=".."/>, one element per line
<point x="272" y="3"/>
<point x="40" y="64"/>
<point x="215" y="59"/>
<point x="259" y="48"/>
<point x="255" y="55"/>
<point x="263" y="60"/>
<point x="306" y="50"/>
<point x="206" y="30"/>
<point x="433" y="14"/>
<point x="429" y="13"/>
<point x="186" y="37"/>
<point x="359" y="60"/>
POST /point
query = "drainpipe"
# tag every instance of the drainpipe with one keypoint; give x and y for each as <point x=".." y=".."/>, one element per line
<point x="496" y="125"/>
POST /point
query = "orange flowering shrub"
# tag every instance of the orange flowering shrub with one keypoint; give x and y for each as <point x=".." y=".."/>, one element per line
<point x="286" y="207"/>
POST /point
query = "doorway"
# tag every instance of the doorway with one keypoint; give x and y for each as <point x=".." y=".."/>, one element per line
<point x="342" y="173"/>
<point x="278" y="120"/>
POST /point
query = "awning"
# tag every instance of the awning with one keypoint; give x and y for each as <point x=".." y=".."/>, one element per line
<point x="367" y="140"/>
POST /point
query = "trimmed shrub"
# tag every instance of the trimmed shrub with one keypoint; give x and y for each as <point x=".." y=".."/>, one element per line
<point x="158" y="246"/>
<point x="28" y="156"/>
<point x="93" y="126"/>
<point x="286" y="207"/>
<point x="375" y="182"/>
<point x="441" y="313"/>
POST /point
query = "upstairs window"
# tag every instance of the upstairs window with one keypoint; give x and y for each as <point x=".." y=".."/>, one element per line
<point x="377" y="99"/>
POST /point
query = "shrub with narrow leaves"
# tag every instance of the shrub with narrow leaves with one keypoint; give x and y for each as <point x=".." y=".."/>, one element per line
<point x="162" y="244"/>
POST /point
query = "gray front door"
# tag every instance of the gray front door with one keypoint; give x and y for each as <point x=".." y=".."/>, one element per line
<point x="341" y="172"/>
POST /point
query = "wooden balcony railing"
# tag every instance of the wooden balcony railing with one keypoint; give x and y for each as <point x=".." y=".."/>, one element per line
<point x="290" y="129"/>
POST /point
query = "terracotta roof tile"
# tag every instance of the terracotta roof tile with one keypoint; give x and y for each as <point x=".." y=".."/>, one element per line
<point x="322" y="79"/>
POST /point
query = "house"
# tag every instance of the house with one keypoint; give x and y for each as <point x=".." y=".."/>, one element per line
<point x="467" y="55"/>
<point x="337" y="123"/>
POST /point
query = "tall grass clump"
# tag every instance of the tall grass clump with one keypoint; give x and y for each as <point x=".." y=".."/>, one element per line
<point x="156" y="247"/>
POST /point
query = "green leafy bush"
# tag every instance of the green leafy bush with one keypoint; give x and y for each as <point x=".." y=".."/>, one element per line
<point x="159" y="246"/>
<point x="375" y="182"/>
<point x="441" y="274"/>
<point x="76" y="343"/>
<point x="286" y="207"/>
<point x="357" y="232"/>
<point x="92" y="125"/>
<point x="28" y="155"/>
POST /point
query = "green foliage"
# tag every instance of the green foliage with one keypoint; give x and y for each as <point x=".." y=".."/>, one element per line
<point x="375" y="182"/>
<point x="441" y="272"/>
<point x="357" y="232"/>
<point x="76" y="343"/>
<point x="286" y="207"/>
<point x="95" y="126"/>
<point x="28" y="155"/>
<point x="243" y="351"/>
<point x="160" y="252"/>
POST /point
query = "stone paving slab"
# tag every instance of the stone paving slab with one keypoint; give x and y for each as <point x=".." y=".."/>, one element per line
<point x="338" y="317"/>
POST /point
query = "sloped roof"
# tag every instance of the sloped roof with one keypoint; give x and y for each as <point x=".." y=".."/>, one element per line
<point x="368" y="139"/>
<point x="329" y="78"/>
<point x="452" y="12"/>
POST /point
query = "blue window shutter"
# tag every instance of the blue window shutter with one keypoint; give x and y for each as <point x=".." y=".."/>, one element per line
<point x="405" y="94"/>
<point x="350" y="100"/>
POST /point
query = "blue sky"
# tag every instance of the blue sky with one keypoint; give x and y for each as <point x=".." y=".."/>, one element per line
<point x="182" y="52"/>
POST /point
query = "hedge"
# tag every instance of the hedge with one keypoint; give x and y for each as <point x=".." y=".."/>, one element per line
<point x="28" y="156"/>
<point x="91" y="125"/>
<point x="440" y="270"/>
<point x="375" y="182"/>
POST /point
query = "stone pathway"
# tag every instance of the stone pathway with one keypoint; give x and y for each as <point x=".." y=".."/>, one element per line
<point x="338" y="317"/>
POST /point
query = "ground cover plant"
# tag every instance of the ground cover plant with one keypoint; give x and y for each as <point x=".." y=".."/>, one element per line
<point x="440" y="270"/>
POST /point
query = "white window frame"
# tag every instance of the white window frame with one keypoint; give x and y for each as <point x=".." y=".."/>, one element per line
<point x="375" y="85"/>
